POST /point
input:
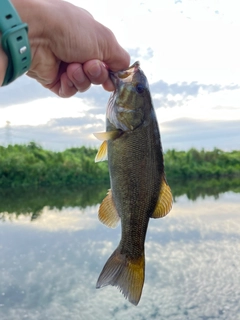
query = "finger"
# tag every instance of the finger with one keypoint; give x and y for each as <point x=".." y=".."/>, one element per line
<point x="108" y="85"/>
<point x="67" y="88"/>
<point x="63" y="87"/>
<point x="77" y="76"/>
<point x="96" y="71"/>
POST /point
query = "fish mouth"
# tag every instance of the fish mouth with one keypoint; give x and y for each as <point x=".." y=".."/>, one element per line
<point x="124" y="75"/>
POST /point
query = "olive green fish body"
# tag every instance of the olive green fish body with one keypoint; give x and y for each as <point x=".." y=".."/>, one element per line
<point x="135" y="183"/>
<point x="138" y="186"/>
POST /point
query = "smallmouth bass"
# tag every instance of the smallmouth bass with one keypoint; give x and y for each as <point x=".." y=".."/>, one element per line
<point x="139" y="190"/>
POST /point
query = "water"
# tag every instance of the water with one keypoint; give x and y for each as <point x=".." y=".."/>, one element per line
<point x="52" y="249"/>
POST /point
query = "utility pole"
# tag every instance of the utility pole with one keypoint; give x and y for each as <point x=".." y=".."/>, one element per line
<point x="8" y="133"/>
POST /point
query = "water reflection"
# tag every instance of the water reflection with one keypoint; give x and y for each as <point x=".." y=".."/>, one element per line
<point x="32" y="201"/>
<point x="49" y="266"/>
<point x="196" y="188"/>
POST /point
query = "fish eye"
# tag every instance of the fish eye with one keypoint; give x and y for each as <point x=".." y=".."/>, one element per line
<point x="140" y="88"/>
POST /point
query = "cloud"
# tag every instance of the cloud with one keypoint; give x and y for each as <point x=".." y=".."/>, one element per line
<point x="25" y="90"/>
<point x="57" y="134"/>
<point x="66" y="219"/>
<point x="163" y="93"/>
<point x="181" y="134"/>
<point x="75" y="122"/>
<point x="140" y="54"/>
<point x="97" y="97"/>
<point x="185" y="133"/>
<point x="22" y="90"/>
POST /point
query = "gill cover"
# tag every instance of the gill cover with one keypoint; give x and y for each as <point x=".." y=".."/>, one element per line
<point x="125" y="109"/>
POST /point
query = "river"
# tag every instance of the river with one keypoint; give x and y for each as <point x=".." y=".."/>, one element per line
<point x="52" y="249"/>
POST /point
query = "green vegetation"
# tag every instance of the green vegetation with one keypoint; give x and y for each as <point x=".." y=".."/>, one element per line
<point x="31" y="165"/>
<point x="201" y="164"/>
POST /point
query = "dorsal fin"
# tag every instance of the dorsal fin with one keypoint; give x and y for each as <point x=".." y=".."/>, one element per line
<point x="164" y="203"/>
<point x="107" y="213"/>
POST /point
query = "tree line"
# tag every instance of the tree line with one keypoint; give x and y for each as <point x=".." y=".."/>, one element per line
<point x="202" y="164"/>
<point x="31" y="165"/>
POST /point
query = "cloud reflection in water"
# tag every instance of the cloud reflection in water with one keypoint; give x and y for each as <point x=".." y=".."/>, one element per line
<point x="50" y="266"/>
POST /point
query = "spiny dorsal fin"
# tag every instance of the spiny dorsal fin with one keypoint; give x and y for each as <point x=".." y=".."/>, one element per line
<point x="102" y="152"/>
<point x="164" y="203"/>
<point x="109" y="135"/>
<point x="107" y="213"/>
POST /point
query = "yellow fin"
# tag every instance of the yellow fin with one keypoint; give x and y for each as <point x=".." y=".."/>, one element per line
<point x="164" y="203"/>
<point x="124" y="273"/>
<point x="109" y="135"/>
<point x="107" y="213"/>
<point x="102" y="152"/>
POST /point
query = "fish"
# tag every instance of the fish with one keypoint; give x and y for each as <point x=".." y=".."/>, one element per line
<point x="139" y="189"/>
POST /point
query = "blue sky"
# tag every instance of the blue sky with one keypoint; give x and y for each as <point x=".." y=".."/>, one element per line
<point x="190" y="55"/>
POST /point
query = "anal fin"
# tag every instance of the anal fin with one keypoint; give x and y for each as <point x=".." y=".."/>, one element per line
<point x="164" y="203"/>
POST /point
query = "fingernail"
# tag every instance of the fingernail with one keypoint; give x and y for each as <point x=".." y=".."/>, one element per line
<point x="95" y="70"/>
<point x="61" y="93"/>
<point x="78" y="75"/>
<point x="70" y="84"/>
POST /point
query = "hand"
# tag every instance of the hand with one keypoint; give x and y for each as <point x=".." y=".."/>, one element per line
<point x="70" y="50"/>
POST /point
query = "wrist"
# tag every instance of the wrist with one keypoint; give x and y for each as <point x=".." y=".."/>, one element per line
<point x="3" y="64"/>
<point x="15" y="46"/>
<point x="34" y="13"/>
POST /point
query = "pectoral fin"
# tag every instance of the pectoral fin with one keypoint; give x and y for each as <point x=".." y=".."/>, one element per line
<point x="102" y="152"/>
<point x="107" y="213"/>
<point x="109" y="135"/>
<point x="164" y="203"/>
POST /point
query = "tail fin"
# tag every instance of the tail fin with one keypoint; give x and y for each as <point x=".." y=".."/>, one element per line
<point x="125" y="274"/>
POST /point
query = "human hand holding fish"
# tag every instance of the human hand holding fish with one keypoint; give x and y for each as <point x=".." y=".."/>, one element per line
<point x="139" y="189"/>
<point x="70" y="50"/>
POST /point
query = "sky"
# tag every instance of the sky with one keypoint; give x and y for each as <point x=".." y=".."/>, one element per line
<point x="189" y="51"/>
